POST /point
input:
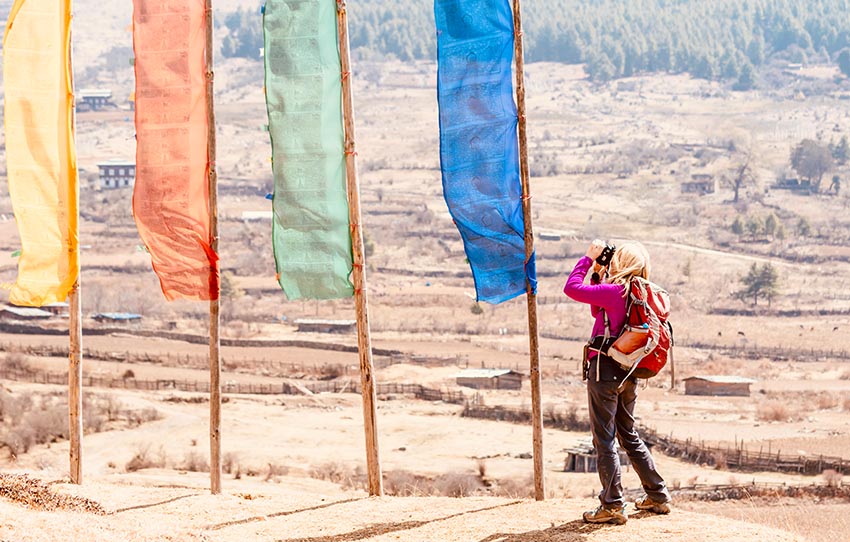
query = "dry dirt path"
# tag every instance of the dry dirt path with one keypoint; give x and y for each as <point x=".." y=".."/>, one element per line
<point x="289" y="513"/>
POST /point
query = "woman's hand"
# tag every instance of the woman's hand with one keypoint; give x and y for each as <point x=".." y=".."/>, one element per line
<point x="595" y="249"/>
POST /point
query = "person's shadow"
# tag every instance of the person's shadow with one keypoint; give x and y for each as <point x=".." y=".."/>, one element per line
<point x="573" y="531"/>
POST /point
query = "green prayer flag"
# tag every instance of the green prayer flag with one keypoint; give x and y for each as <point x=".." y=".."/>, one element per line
<point x="310" y="230"/>
<point x="16" y="254"/>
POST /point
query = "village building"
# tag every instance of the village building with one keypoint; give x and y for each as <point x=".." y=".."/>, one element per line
<point x="801" y="186"/>
<point x="326" y="326"/>
<point x="95" y="99"/>
<point x="116" y="174"/>
<point x="117" y="317"/>
<point x="490" y="379"/>
<point x="12" y="312"/>
<point x="549" y="236"/>
<point x="582" y="458"/>
<point x="700" y="183"/>
<point x="718" y="385"/>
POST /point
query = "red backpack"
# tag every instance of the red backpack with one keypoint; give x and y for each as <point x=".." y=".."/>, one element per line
<point x="647" y="338"/>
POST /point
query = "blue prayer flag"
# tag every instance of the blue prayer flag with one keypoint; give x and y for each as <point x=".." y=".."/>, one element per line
<point x="479" y="155"/>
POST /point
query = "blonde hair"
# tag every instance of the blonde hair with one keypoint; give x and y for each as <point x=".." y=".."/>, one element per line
<point x="631" y="259"/>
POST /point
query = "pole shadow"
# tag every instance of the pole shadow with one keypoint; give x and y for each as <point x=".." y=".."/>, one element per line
<point x="378" y="529"/>
<point x="217" y="526"/>
<point x="151" y="505"/>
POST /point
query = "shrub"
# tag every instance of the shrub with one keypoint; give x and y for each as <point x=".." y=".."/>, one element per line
<point x="143" y="459"/>
<point x="832" y="478"/>
<point x="772" y="411"/>
<point x="329" y="371"/>
<point x="402" y="483"/>
<point x="719" y="460"/>
<point x="331" y="471"/>
<point x="195" y="462"/>
<point x="456" y="484"/>
<point x="47" y="424"/>
<point x="229" y="461"/>
<point x="275" y="471"/>
<point x="136" y="418"/>
<point x="826" y="401"/>
<point x="515" y="489"/>
<point x="17" y="363"/>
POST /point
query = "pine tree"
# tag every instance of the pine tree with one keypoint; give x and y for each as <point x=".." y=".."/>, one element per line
<point x="747" y="77"/>
<point x="843" y="61"/>
<point x="738" y="226"/>
<point x="771" y="223"/>
<point x="759" y="282"/>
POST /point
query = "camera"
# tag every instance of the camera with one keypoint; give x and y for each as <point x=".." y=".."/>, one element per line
<point x="605" y="258"/>
<point x="607" y="253"/>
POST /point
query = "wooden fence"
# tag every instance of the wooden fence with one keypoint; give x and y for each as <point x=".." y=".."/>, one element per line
<point x="741" y="459"/>
<point x="199" y="386"/>
<point x="711" y="492"/>
<point x="729" y="458"/>
<point x="274" y="367"/>
<point x="567" y="420"/>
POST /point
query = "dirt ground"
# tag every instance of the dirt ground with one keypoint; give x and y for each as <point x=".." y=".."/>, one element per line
<point x="145" y="510"/>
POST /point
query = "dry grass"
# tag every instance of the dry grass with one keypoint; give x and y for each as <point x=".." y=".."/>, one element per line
<point x="403" y="483"/>
<point x="804" y="518"/>
<point x="773" y="411"/>
<point x="144" y="459"/>
<point x="195" y="462"/>
<point x="16" y="362"/>
<point x="832" y="478"/>
<point x="826" y="400"/>
<point x="275" y="471"/>
<point x="230" y="462"/>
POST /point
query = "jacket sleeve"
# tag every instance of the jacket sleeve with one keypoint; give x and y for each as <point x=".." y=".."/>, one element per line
<point x="598" y="296"/>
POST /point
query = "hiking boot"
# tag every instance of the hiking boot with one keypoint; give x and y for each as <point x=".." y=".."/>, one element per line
<point x="617" y="516"/>
<point x="647" y="503"/>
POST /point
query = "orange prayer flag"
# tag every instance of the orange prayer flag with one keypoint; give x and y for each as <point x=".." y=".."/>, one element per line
<point x="171" y="194"/>
<point x="40" y="155"/>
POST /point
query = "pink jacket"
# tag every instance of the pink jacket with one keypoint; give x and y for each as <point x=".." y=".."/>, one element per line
<point x="607" y="297"/>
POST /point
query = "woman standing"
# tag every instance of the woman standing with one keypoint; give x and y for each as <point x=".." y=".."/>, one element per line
<point x="611" y="400"/>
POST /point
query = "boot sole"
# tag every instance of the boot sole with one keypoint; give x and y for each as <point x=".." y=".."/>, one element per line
<point x="615" y="521"/>
<point x="655" y="510"/>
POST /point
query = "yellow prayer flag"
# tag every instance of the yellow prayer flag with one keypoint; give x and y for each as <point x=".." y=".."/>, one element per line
<point x="40" y="154"/>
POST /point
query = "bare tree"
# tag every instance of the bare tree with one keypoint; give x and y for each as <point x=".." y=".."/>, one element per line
<point x="742" y="177"/>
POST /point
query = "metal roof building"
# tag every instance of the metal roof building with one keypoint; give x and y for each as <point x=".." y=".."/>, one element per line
<point x="13" y="312"/>
<point x="718" y="385"/>
<point x="491" y="379"/>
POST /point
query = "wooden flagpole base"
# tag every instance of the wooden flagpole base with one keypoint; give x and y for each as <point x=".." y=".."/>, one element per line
<point x="75" y="379"/>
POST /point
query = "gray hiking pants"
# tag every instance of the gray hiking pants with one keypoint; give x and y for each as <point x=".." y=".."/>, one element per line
<point x="612" y="414"/>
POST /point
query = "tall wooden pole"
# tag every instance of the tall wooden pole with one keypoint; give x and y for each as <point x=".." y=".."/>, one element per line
<point x="672" y="372"/>
<point x="75" y="320"/>
<point x="364" y="343"/>
<point x="75" y="379"/>
<point x="534" y="349"/>
<point x="215" y="304"/>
